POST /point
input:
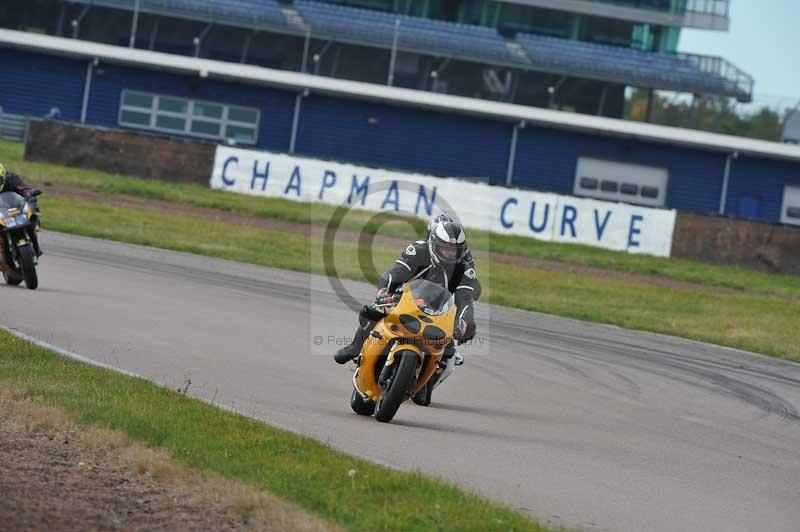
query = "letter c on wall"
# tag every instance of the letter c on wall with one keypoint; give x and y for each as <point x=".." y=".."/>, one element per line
<point x="507" y="224"/>
<point x="229" y="160"/>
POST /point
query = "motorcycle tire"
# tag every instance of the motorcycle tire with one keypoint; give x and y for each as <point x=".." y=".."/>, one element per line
<point x="361" y="406"/>
<point x="28" y="266"/>
<point x="393" y="396"/>
<point x="13" y="280"/>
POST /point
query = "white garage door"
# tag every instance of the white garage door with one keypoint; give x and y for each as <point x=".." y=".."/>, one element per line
<point x="615" y="181"/>
<point x="790" y="214"/>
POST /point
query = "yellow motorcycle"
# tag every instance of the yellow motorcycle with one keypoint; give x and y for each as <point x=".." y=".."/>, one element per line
<point x="404" y="349"/>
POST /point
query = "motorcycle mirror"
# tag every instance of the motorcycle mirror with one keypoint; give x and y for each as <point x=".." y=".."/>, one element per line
<point x="36" y="192"/>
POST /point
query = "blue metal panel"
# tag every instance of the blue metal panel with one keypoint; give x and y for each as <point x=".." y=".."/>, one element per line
<point x="749" y="207"/>
<point x="404" y="138"/>
<point x="547" y="158"/>
<point x="276" y="106"/>
<point x="32" y="84"/>
<point x="764" y="180"/>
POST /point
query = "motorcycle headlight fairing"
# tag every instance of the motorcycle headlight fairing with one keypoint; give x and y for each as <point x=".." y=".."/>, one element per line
<point x="13" y="221"/>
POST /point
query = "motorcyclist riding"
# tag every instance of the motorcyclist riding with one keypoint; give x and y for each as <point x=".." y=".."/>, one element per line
<point x="11" y="182"/>
<point x="442" y="258"/>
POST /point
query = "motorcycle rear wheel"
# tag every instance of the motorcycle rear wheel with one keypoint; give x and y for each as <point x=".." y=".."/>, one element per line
<point x="423" y="397"/>
<point x="393" y="396"/>
<point x="361" y="406"/>
<point x="28" y="266"/>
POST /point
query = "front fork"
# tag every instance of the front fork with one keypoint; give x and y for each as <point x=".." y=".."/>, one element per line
<point x="388" y="370"/>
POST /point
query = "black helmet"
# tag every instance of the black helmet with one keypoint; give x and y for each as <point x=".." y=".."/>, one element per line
<point x="436" y="219"/>
<point x="446" y="241"/>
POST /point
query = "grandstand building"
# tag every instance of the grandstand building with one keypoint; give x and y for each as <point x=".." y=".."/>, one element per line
<point x="196" y="69"/>
<point x="576" y="55"/>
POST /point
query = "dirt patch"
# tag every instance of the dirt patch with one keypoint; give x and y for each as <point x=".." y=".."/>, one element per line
<point x="317" y="231"/>
<point x="57" y="477"/>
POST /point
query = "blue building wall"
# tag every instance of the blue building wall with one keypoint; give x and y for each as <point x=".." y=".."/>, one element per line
<point x="33" y="84"/>
<point x="756" y="187"/>
<point x="402" y="137"/>
<point x="547" y="158"/>
<point x="389" y="136"/>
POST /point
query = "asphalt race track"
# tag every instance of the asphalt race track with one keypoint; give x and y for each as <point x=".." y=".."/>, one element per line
<point x="582" y="425"/>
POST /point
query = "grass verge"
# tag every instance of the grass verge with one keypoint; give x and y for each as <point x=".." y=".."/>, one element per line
<point x="105" y="457"/>
<point x="755" y="322"/>
<point x="211" y="441"/>
<point x="720" y="276"/>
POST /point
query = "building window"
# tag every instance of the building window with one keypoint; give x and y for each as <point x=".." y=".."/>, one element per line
<point x="609" y="186"/>
<point x="629" y="189"/>
<point x="649" y="192"/>
<point x="588" y="183"/>
<point x="793" y="212"/>
<point x="193" y="118"/>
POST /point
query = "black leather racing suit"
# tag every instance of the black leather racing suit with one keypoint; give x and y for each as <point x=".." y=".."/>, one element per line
<point x="460" y="279"/>
<point x="14" y="183"/>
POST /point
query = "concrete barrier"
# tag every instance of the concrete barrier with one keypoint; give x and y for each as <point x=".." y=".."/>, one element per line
<point x="766" y="247"/>
<point x="120" y="152"/>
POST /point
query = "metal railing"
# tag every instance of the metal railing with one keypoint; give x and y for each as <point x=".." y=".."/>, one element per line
<point x="740" y="81"/>
<point x="12" y="127"/>
<point x="718" y="8"/>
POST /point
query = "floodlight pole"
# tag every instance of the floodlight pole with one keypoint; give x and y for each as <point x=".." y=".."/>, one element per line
<point x="393" y="57"/>
<point x="306" y="46"/>
<point x="512" y="153"/>
<point x="726" y="177"/>
<point x="246" y="46"/>
<point x="198" y="41"/>
<point x="76" y="23"/>
<point x="134" y="24"/>
<point x="154" y="34"/>
<point x="298" y="102"/>
<point x="87" y="88"/>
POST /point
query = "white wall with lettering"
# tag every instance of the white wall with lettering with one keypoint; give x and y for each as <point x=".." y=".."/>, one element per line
<point x="540" y="215"/>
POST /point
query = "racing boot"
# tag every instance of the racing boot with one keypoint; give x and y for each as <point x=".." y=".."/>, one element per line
<point x="348" y="353"/>
<point x="450" y="352"/>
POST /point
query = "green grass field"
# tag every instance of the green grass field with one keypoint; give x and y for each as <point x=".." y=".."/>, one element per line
<point x="209" y="440"/>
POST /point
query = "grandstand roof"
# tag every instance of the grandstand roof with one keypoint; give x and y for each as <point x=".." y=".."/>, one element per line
<point x="565" y="57"/>
<point x="407" y="97"/>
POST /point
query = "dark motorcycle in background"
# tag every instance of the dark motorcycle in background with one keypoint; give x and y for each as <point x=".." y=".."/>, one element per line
<point x="19" y="220"/>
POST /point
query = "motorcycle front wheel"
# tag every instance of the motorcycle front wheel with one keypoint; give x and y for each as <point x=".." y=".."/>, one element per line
<point x="28" y="266"/>
<point x="393" y="396"/>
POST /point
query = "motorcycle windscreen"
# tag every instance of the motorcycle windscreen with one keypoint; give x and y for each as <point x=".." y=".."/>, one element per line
<point x="10" y="200"/>
<point x="431" y="298"/>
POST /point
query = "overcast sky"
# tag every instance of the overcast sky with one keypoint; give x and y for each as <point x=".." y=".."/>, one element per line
<point x="764" y="41"/>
